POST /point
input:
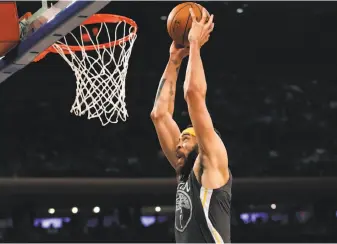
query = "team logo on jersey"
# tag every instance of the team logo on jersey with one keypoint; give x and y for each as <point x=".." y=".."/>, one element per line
<point x="183" y="207"/>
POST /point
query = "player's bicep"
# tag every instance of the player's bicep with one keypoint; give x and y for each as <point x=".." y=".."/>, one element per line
<point x="168" y="134"/>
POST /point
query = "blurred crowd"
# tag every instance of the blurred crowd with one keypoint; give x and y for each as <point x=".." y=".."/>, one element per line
<point x="270" y="128"/>
<point x="81" y="230"/>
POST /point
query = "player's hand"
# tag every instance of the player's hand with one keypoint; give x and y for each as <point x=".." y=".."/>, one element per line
<point x="200" y="30"/>
<point x="178" y="52"/>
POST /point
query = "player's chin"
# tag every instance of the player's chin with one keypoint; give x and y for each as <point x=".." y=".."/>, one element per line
<point x="181" y="162"/>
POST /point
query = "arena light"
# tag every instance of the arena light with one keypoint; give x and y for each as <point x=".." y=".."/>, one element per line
<point x="74" y="210"/>
<point x="96" y="209"/>
<point x="163" y="17"/>
<point x="157" y="209"/>
<point x="273" y="206"/>
<point x="51" y="211"/>
<point x="239" y="10"/>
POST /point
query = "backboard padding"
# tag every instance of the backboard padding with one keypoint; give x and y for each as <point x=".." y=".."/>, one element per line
<point x="71" y="14"/>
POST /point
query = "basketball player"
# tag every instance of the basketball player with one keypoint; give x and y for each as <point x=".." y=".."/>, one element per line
<point x="197" y="153"/>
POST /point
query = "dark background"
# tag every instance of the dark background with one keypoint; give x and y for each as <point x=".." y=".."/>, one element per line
<point x="271" y="74"/>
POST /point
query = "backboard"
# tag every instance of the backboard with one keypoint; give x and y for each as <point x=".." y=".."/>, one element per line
<point x="61" y="18"/>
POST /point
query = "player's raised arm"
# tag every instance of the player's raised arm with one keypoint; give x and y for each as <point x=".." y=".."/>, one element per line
<point x="162" y="113"/>
<point x="210" y="144"/>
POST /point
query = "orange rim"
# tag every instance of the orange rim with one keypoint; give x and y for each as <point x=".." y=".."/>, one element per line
<point x="95" y="19"/>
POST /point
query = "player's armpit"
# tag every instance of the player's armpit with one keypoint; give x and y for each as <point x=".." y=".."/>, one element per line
<point x="168" y="134"/>
<point x="214" y="178"/>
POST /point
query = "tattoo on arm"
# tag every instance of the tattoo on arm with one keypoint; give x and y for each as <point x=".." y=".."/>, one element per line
<point x="161" y="84"/>
<point x="172" y="89"/>
<point x="172" y="84"/>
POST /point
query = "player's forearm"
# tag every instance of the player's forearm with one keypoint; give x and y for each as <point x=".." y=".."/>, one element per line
<point x="165" y="97"/>
<point x="195" y="82"/>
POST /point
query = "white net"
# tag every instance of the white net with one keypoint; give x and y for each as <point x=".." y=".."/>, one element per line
<point x="100" y="73"/>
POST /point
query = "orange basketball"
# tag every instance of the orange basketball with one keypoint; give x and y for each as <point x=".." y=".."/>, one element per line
<point x="179" y="21"/>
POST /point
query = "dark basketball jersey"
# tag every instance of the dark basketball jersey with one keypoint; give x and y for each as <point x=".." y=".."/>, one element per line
<point x="202" y="215"/>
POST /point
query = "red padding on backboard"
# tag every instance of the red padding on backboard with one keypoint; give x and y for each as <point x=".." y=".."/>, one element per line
<point x="9" y="27"/>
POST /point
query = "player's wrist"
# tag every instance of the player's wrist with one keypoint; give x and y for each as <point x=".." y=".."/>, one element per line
<point x="176" y="59"/>
<point x="195" y="43"/>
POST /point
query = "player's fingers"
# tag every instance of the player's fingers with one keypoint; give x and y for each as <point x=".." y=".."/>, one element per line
<point x="210" y="22"/>
<point x="192" y="15"/>
<point x="204" y="16"/>
<point x="211" y="28"/>
<point x="207" y="13"/>
<point x="207" y="38"/>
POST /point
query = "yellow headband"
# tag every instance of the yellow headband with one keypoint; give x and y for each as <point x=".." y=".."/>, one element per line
<point x="189" y="131"/>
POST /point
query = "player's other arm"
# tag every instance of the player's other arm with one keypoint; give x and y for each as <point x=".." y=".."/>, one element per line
<point x="195" y="87"/>
<point x="162" y="113"/>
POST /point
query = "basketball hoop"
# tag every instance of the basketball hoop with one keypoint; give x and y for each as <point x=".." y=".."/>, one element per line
<point x="100" y="69"/>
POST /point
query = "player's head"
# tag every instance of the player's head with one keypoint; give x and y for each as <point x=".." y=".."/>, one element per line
<point x="187" y="151"/>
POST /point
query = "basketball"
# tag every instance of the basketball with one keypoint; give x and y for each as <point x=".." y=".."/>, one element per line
<point x="179" y="21"/>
